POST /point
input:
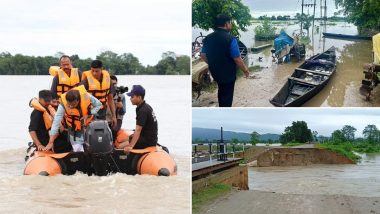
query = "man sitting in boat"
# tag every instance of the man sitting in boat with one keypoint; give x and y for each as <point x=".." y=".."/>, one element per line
<point x="75" y="108"/>
<point x="145" y="134"/>
<point x="65" y="76"/>
<point x="41" y="121"/>
<point x="98" y="83"/>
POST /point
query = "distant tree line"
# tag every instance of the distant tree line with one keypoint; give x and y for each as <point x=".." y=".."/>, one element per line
<point x="282" y="18"/>
<point x="125" y="63"/>
<point x="300" y="133"/>
<point x="297" y="16"/>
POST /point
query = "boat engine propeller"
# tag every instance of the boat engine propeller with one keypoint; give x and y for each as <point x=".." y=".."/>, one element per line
<point x="98" y="141"/>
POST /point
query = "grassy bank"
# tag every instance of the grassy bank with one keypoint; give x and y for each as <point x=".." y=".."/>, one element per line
<point x="343" y="149"/>
<point x="366" y="148"/>
<point x="347" y="149"/>
<point x="208" y="195"/>
<point x="293" y="144"/>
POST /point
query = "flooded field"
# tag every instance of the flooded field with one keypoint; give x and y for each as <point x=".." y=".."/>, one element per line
<point x="342" y="90"/>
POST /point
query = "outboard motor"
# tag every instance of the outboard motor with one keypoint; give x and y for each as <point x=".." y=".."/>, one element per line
<point x="98" y="139"/>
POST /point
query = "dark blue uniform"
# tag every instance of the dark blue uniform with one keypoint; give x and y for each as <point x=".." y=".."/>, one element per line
<point x="221" y="48"/>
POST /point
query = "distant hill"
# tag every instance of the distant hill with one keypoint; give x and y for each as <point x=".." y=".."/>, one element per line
<point x="214" y="134"/>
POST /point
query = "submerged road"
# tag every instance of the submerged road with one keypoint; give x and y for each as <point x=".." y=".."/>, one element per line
<point x="273" y="203"/>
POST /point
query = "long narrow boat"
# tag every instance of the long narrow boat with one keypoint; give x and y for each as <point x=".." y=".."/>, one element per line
<point x="346" y="36"/>
<point x="307" y="80"/>
<point x="259" y="48"/>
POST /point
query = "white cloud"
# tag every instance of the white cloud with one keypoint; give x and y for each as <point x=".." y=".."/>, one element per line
<point x="144" y="28"/>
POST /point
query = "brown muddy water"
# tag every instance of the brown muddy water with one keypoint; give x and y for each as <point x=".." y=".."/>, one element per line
<point x="342" y="89"/>
<point x="80" y="193"/>
<point x="361" y="179"/>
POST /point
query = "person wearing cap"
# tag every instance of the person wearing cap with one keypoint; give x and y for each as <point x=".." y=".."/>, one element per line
<point x="145" y="134"/>
<point x="98" y="83"/>
<point x="41" y="122"/>
<point x="221" y="52"/>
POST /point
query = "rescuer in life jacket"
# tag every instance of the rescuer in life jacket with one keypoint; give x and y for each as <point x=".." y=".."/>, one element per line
<point x="77" y="108"/>
<point x="65" y="76"/>
<point x="98" y="82"/>
<point x="40" y="123"/>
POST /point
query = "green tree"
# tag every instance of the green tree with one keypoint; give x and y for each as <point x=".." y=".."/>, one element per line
<point x="204" y="12"/>
<point x="255" y="137"/>
<point x="166" y="66"/>
<point x="338" y="137"/>
<point x="182" y="65"/>
<point x="235" y="141"/>
<point x="371" y="133"/>
<point x="297" y="132"/>
<point x="265" y="30"/>
<point x="363" y="13"/>
<point x="305" y="20"/>
<point x="349" y="132"/>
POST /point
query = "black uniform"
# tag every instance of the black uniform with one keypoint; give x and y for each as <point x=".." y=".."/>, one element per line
<point x="146" y="118"/>
<point x="37" y="124"/>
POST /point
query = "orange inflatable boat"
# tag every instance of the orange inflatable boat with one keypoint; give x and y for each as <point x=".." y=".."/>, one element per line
<point x="101" y="157"/>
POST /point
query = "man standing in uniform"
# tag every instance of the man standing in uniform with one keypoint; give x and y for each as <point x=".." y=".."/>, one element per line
<point x="66" y="77"/>
<point x="98" y="83"/>
<point x="221" y="52"/>
<point x="146" y="124"/>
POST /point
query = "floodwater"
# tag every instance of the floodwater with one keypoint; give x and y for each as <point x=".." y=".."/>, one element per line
<point x="80" y="193"/>
<point x="342" y="89"/>
<point x="361" y="180"/>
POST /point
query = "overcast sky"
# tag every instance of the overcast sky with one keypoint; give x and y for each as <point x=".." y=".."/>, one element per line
<point x="274" y="120"/>
<point x="287" y="7"/>
<point x="145" y="28"/>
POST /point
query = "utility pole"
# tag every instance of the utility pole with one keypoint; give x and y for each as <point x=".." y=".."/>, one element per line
<point x="315" y="3"/>
<point x="325" y="12"/>
<point x="312" y="28"/>
<point x="301" y="17"/>
<point x="321" y="8"/>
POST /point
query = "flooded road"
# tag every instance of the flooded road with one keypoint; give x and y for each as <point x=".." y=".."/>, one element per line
<point x="342" y="90"/>
<point x="361" y="180"/>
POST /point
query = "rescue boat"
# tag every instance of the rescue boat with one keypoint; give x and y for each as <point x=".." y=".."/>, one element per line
<point x="101" y="157"/>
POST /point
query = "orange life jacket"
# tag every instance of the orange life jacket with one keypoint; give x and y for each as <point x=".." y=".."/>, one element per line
<point x="73" y="116"/>
<point x="65" y="82"/>
<point x="48" y="114"/>
<point x="100" y="90"/>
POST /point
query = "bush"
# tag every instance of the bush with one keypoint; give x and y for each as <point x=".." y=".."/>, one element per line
<point x="266" y="30"/>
